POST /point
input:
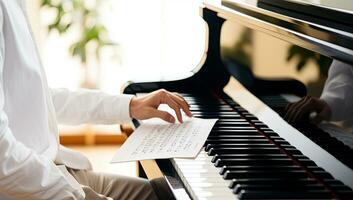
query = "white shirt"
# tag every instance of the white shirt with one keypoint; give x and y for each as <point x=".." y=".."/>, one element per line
<point x="338" y="91"/>
<point x="30" y="153"/>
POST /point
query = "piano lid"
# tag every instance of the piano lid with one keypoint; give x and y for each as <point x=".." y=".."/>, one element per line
<point x="337" y="14"/>
<point x="329" y="39"/>
<point x="339" y="5"/>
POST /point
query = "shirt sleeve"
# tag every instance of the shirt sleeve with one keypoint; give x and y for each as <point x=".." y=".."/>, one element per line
<point x="90" y="106"/>
<point x="338" y="91"/>
<point x="23" y="173"/>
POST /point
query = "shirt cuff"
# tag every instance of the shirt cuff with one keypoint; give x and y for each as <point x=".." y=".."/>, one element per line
<point x="119" y="108"/>
<point x="336" y="110"/>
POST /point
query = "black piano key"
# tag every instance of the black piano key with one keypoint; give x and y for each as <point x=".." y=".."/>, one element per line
<point x="276" y="173"/>
<point x="264" y="129"/>
<point x="298" y="182"/>
<point x="241" y="123"/>
<point x="231" y="120"/>
<point x="281" y="142"/>
<point x="238" y="137"/>
<point x="237" y="141"/>
<point x="250" y="117"/>
<point x="259" y="167"/>
<point x="217" y="116"/>
<point x="234" y="132"/>
<point x="275" y="194"/>
<point x="230" y="113"/>
<point x="339" y="187"/>
<point x="214" y="151"/>
<point x="279" y="187"/>
<point x="232" y="145"/>
<point x="231" y="135"/>
<point x="195" y="108"/>
<point x="322" y="174"/>
<point x="205" y="102"/>
<point x="231" y="102"/>
<point x="267" y="167"/>
<point x="248" y="174"/>
<point x="257" y="156"/>
<point x="260" y="161"/>
<point x="234" y="128"/>
<point x="269" y="150"/>
<point x="345" y="194"/>
<point x="239" y="132"/>
<point x="241" y="110"/>
<point x="269" y="133"/>
<point x="255" y="121"/>
<point x="260" y="124"/>
<point x="272" y="181"/>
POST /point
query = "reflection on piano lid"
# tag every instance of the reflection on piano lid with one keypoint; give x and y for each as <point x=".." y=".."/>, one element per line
<point x="252" y="153"/>
<point x="338" y="14"/>
<point x="332" y="42"/>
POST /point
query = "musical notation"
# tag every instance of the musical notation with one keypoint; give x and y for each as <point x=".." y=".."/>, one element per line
<point x="156" y="139"/>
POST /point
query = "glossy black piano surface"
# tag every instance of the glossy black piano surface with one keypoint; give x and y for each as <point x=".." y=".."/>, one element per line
<point x="252" y="153"/>
<point x="338" y="14"/>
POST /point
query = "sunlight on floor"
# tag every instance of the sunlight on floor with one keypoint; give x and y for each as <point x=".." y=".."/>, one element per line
<point x="100" y="157"/>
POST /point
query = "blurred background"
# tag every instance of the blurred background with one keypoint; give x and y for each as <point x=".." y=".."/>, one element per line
<point x="101" y="44"/>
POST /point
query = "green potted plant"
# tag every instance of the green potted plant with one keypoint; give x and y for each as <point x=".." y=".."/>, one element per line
<point x="93" y="35"/>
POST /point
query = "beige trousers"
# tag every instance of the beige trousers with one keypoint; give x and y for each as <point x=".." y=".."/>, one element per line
<point x="102" y="186"/>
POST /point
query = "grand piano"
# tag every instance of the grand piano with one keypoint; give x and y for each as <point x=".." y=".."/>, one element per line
<point x="252" y="152"/>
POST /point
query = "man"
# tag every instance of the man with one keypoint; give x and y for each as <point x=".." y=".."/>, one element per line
<point x="335" y="103"/>
<point x="33" y="165"/>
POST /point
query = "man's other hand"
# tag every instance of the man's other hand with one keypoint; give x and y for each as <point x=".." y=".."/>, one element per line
<point x="146" y="107"/>
<point x="308" y="108"/>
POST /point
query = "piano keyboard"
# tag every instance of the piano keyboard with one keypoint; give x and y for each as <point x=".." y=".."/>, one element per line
<point x="245" y="159"/>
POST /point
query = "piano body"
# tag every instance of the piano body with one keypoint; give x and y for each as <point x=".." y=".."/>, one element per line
<point x="252" y="153"/>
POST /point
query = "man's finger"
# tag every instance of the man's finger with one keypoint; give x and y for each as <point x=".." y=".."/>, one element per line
<point x="181" y="97"/>
<point x="182" y="103"/>
<point x="290" y="109"/>
<point x="310" y="107"/>
<point x="290" y="112"/>
<point x="287" y="109"/>
<point x="162" y="115"/>
<point x="175" y="106"/>
<point x="300" y="110"/>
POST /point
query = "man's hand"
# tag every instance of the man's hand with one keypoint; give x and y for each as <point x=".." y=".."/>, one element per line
<point x="146" y="107"/>
<point x="314" y="109"/>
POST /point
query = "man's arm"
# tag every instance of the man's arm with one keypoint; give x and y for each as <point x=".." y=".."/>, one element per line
<point x="23" y="173"/>
<point x="335" y="103"/>
<point x="89" y="106"/>
<point x="338" y="91"/>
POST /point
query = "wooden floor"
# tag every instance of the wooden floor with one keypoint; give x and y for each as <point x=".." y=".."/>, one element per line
<point x="100" y="156"/>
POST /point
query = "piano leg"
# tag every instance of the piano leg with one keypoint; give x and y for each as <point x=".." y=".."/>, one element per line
<point x="140" y="172"/>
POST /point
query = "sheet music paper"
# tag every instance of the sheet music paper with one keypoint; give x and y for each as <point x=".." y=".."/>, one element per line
<point x="155" y="139"/>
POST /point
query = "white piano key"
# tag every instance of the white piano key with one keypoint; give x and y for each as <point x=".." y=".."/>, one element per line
<point x="215" y="184"/>
<point x="202" y="178"/>
<point x="217" y="198"/>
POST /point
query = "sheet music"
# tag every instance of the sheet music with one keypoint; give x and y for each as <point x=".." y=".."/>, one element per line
<point x="155" y="139"/>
